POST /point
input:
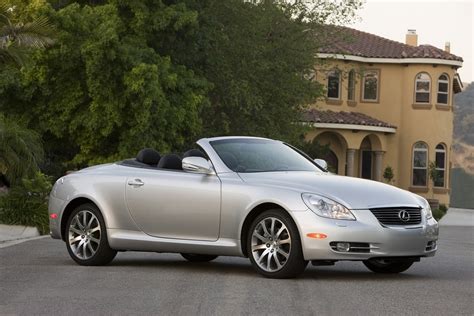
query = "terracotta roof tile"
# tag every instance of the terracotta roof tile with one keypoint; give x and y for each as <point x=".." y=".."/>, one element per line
<point x="347" y="41"/>
<point x="355" y="118"/>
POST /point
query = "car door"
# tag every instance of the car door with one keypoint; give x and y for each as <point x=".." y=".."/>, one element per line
<point x="175" y="204"/>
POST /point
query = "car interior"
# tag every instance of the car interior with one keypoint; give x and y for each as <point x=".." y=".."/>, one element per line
<point x="150" y="158"/>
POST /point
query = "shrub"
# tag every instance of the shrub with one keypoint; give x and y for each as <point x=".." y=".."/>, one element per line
<point x="439" y="212"/>
<point x="388" y="174"/>
<point x="27" y="203"/>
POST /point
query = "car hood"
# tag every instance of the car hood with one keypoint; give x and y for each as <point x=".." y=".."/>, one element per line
<point x="354" y="193"/>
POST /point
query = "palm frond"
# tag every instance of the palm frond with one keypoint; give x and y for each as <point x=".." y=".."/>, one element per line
<point x="18" y="39"/>
<point x="21" y="150"/>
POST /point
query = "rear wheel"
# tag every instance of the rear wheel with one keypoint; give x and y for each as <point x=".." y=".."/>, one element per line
<point x="86" y="238"/>
<point x="198" y="258"/>
<point x="387" y="266"/>
<point x="274" y="246"/>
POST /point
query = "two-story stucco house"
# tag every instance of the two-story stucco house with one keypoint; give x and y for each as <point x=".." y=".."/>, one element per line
<point x="387" y="104"/>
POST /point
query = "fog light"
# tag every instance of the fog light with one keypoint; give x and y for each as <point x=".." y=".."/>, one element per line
<point x="343" y="246"/>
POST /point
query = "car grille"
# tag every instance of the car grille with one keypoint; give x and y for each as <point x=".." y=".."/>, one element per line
<point x="391" y="216"/>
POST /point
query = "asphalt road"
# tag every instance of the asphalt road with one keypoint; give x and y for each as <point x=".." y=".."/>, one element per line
<point x="38" y="277"/>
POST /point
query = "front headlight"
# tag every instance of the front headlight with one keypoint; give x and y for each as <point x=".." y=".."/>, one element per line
<point x="426" y="207"/>
<point x="326" y="208"/>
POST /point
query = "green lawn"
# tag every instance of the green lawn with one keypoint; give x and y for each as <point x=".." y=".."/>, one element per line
<point x="462" y="189"/>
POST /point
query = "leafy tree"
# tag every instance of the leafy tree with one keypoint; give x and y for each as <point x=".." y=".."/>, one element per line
<point x="258" y="56"/>
<point x="124" y="75"/>
<point x="103" y="92"/>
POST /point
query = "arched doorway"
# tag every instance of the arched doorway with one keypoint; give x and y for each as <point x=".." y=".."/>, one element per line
<point x="333" y="162"/>
<point x="335" y="157"/>
<point x="367" y="159"/>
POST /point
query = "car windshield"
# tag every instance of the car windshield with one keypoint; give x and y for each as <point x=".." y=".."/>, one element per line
<point x="261" y="155"/>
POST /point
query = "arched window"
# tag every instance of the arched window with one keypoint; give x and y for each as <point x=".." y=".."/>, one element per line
<point x="422" y="88"/>
<point x="440" y="160"/>
<point x="443" y="89"/>
<point x="334" y="84"/>
<point x="420" y="164"/>
<point x="351" y="86"/>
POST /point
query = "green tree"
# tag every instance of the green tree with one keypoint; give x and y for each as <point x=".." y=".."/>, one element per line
<point x="103" y="92"/>
<point x="124" y="75"/>
<point x="18" y="38"/>
<point x="21" y="150"/>
<point x="258" y="56"/>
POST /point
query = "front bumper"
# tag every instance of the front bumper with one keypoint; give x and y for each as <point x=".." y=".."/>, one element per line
<point x="383" y="241"/>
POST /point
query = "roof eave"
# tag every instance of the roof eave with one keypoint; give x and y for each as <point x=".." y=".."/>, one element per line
<point x="356" y="127"/>
<point x="380" y="60"/>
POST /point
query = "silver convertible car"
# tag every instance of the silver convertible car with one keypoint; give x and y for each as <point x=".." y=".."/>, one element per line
<point x="240" y="196"/>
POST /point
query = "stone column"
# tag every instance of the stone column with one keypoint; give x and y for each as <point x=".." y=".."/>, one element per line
<point x="378" y="165"/>
<point x="350" y="161"/>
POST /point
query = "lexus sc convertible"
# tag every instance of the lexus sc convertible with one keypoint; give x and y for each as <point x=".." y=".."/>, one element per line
<point x="240" y="196"/>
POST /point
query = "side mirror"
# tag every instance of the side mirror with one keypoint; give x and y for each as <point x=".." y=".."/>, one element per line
<point x="197" y="165"/>
<point x="322" y="163"/>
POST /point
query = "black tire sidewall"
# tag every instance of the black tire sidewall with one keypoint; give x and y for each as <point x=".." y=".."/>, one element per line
<point x="295" y="264"/>
<point x="104" y="253"/>
<point x="191" y="257"/>
<point x="392" y="267"/>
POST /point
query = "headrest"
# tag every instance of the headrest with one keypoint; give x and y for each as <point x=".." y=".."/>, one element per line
<point x="194" y="153"/>
<point x="170" y="161"/>
<point x="148" y="156"/>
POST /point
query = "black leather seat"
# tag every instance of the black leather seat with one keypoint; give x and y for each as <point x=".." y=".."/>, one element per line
<point x="149" y="156"/>
<point x="194" y="153"/>
<point x="170" y="161"/>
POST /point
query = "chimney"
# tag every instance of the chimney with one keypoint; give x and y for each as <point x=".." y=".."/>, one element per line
<point x="411" y="38"/>
<point x="447" y="47"/>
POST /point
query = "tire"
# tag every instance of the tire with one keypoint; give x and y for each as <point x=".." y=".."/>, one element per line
<point x="274" y="245"/>
<point x="198" y="258"/>
<point x="86" y="237"/>
<point x="386" y="266"/>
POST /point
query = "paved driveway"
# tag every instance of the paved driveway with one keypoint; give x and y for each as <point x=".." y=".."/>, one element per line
<point x="37" y="277"/>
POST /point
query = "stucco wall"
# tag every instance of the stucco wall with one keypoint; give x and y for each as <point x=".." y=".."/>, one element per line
<point x="432" y="124"/>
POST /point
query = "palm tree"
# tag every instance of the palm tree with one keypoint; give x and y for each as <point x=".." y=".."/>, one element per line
<point x="21" y="150"/>
<point x="17" y="39"/>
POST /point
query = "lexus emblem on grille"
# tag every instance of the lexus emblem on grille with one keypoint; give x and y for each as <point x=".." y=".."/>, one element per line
<point x="404" y="215"/>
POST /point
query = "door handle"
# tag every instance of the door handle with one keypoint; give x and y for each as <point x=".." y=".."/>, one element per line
<point x="136" y="183"/>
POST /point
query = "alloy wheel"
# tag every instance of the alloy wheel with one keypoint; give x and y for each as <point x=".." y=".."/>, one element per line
<point x="84" y="234"/>
<point x="271" y="244"/>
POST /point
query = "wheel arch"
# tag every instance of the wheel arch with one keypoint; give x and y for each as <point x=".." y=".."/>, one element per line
<point x="256" y="211"/>
<point x="71" y="206"/>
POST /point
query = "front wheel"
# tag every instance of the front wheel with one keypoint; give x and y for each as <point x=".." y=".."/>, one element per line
<point x="86" y="238"/>
<point x="387" y="266"/>
<point x="198" y="258"/>
<point x="274" y="246"/>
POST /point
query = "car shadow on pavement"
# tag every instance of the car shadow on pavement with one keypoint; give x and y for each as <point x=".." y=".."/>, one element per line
<point x="244" y="268"/>
<point x="338" y="274"/>
<point x="215" y="267"/>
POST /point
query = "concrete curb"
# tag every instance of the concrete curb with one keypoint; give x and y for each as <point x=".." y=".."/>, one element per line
<point x="458" y="217"/>
<point x="16" y="232"/>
